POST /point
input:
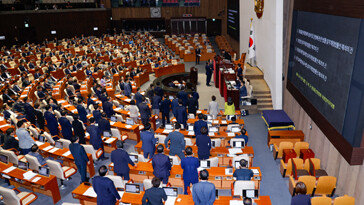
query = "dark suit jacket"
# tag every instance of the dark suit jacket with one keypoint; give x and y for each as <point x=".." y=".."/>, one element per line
<point x="121" y="159"/>
<point x="203" y="143"/>
<point x="95" y="137"/>
<point x="189" y="166"/>
<point x="161" y="165"/>
<point x="183" y="96"/>
<point x="148" y="140"/>
<point x="82" y="113"/>
<point x="301" y="199"/>
<point x="158" y="91"/>
<point x="192" y="105"/>
<point x="198" y="125"/>
<point x="181" y="115"/>
<point x="138" y="98"/>
<point x="105" y="190"/>
<point x="165" y="106"/>
<point x="79" y="154"/>
<point x="52" y="122"/>
<point x="66" y="128"/>
<point x="154" y="196"/>
<point x="144" y="111"/>
<point x="40" y="118"/>
<point x="29" y="112"/>
<point x="107" y="107"/>
<point x="97" y="115"/>
<point x="79" y="131"/>
<point x="104" y="125"/>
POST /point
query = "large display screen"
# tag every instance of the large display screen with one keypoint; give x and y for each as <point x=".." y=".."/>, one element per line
<point x="233" y="25"/>
<point x="322" y="54"/>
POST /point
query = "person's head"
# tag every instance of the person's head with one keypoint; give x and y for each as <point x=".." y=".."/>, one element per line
<point x="243" y="131"/>
<point x="204" y="117"/>
<point x="188" y="151"/>
<point x="92" y="120"/>
<point x="34" y="148"/>
<point x="36" y="105"/>
<point x="10" y="131"/>
<point x="243" y="163"/>
<point x="204" y="174"/>
<point x="103" y="170"/>
<point x="247" y="201"/>
<point x="213" y="98"/>
<point x="119" y="144"/>
<point x="180" y="102"/>
<point x="158" y="83"/>
<point x="230" y="101"/>
<point x="74" y="139"/>
<point x="132" y="102"/>
<point x="203" y="130"/>
<point x="103" y="115"/>
<point x="20" y="124"/>
<point x="75" y="117"/>
<point x="156" y="182"/>
<point x="147" y="126"/>
<point x="177" y="126"/>
<point x="183" y="88"/>
<point x="160" y="148"/>
<point x="200" y="116"/>
<point x="233" y="118"/>
<point x="301" y="188"/>
<point x="63" y="113"/>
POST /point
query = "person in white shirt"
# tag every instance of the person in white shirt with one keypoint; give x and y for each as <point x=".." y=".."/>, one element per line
<point x="213" y="107"/>
<point x="134" y="111"/>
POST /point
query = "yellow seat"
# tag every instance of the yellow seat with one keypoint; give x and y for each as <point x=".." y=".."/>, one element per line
<point x="326" y="185"/>
<point x="313" y="166"/>
<point x="286" y="169"/>
<point x="278" y="151"/>
<point x="298" y="169"/>
<point x="300" y="145"/>
<point x="321" y="201"/>
<point x="309" y="181"/>
<point x="344" y="200"/>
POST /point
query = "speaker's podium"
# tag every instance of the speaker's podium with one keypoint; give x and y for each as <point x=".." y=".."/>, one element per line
<point x="193" y="76"/>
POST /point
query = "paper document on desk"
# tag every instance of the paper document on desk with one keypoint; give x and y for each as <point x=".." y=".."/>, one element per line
<point x="211" y="134"/>
<point x="9" y="169"/>
<point x="54" y="150"/>
<point x="66" y="154"/>
<point x="110" y="140"/>
<point x="90" y="192"/>
<point x="127" y="100"/>
<point x="233" y="151"/>
<point x="170" y="200"/>
<point x="28" y="175"/>
<point x="68" y="105"/>
<point x="236" y="202"/>
<point x="36" y="179"/>
<point x="5" y="125"/>
<point x="118" y="95"/>
<point x="167" y="131"/>
<point x="199" y="111"/>
<point x="191" y="133"/>
<point x="117" y="109"/>
<point x="39" y="143"/>
<point x="230" y="134"/>
<point x="112" y="123"/>
<point x="121" y="193"/>
<point x="48" y="148"/>
<point x="74" y="111"/>
<point x="128" y="126"/>
<point x="61" y="101"/>
<point x="216" y="122"/>
<point x="255" y="171"/>
<point x="224" y="122"/>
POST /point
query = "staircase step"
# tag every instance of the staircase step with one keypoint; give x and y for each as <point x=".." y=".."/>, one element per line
<point x="265" y="105"/>
<point x="251" y="77"/>
<point x="266" y="108"/>
<point x="261" y="91"/>
<point x="264" y="100"/>
<point x="262" y="95"/>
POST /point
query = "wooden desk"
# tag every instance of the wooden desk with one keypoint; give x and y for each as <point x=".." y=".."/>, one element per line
<point x="161" y="71"/>
<point x="128" y="128"/>
<point x="223" y="200"/>
<point x="141" y="78"/>
<point x="278" y="136"/>
<point x="45" y="185"/>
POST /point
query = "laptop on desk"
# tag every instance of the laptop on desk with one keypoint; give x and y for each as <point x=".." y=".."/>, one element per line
<point x="171" y="191"/>
<point x="4" y="159"/>
<point x="132" y="188"/>
<point x="134" y="158"/>
<point x="169" y="127"/>
<point x="129" y="121"/>
<point x="113" y="119"/>
<point x="58" y="144"/>
<point x="44" y="171"/>
<point x="205" y="164"/>
<point x="250" y="193"/>
<point x="23" y="165"/>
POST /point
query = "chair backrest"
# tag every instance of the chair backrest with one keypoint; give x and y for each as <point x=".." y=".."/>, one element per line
<point x="239" y="186"/>
<point x="325" y="185"/>
<point x="119" y="118"/>
<point x="49" y="137"/>
<point x="11" y="155"/>
<point x="175" y="160"/>
<point x="55" y="169"/>
<point x="33" y="162"/>
<point x="69" y="118"/>
<point x="10" y="196"/>
<point x="118" y="181"/>
<point x="300" y="145"/>
<point x="57" y="113"/>
<point x="90" y="150"/>
<point x="321" y="200"/>
<point x="116" y="103"/>
<point x="309" y="181"/>
<point x="240" y="157"/>
<point x="116" y="133"/>
<point x="217" y="142"/>
<point x="13" y="119"/>
<point x="34" y="131"/>
<point x="297" y="164"/>
<point x="147" y="184"/>
<point x="344" y="200"/>
<point x="282" y="146"/>
<point x="66" y="143"/>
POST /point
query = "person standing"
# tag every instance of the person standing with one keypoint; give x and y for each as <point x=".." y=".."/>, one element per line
<point x="154" y="195"/>
<point x="203" y="142"/>
<point x="204" y="192"/>
<point x="165" y="108"/>
<point x="192" y="105"/>
<point x="121" y="159"/>
<point x="82" y="111"/>
<point x="213" y="109"/>
<point x="198" y="55"/>
<point x="80" y="157"/>
<point x="177" y="144"/>
<point x="189" y="165"/>
<point x="229" y="107"/>
<point x="144" y="112"/>
<point x="156" y="100"/>
<point x="181" y="114"/>
<point x="134" y="111"/>
<point x="148" y="141"/>
<point x="95" y="136"/>
<point x="209" y="71"/>
<point x="78" y="129"/>
<point x="108" y="107"/>
<point x="52" y="122"/>
<point x="25" y="140"/>
<point x="66" y="126"/>
<point x="161" y="165"/>
<point x="105" y="188"/>
<point x="40" y="116"/>
<point x="199" y="124"/>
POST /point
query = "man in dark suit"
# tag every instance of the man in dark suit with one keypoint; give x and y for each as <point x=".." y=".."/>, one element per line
<point x="203" y="143"/>
<point x="209" y="71"/>
<point x="161" y="165"/>
<point x="174" y="105"/>
<point x="121" y="159"/>
<point x="79" y="154"/>
<point x="243" y="173"/>
<point x="52" y="122"/>
<point x="154" y="195"/>
<point x="181" y="114"/>
<point x="29" y="111"/>
<point x="105" y="188"/>
<point x="182" y="95"/>
<point x="40" y="116"/>
<point x="177" y="144"/>
<point x="148" y="141"/>
<point x="66" y="126"/>
<point x="95" y="135"/>
<point x="165" y="108"/>
<point x="144" y="112"/>
<point x="158" y="90"/>
<point x="138" y="97"/>
<point x="189" y="164"/>
<point x="192" y="105"/>
<point x="243" y="135"/>
<point x="198" y="55"/>
<point x="199" y="124"/>
<point x="97" y="114"/>
<point x="90" y="101"/>
<point x="81" y="111"/>
<point x="103" y="125"/>
<point x="108" y="107"/>
<point x="78" y="129"/>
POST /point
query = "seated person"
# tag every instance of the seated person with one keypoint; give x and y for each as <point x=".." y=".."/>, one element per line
<point x="243" y="135"/>
<point x="243" y="173"/>
<point x="248" y="201"/>
<point x="34" y="153"/>
<point x="9" y="140"/>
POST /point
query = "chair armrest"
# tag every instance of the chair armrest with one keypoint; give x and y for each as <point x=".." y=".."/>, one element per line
<point x="64" y="172"/>
<point x="283" y="168"/>
<point x="150" y="160"/>
<point x="16" y="189"/>
<point x="43" y="165"/>
<point x="130" y="180"/>
<point x="168" y="185"/>
<point x="292" y="186"/>
<point x="102" y="151"/>
<point x="275" y="151"/>
<point x="232" y="189"/>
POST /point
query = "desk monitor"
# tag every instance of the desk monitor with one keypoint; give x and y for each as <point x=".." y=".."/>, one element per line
<point x="235" y="129"/>
<point x="238" y="144"/>
<point x="209" y="117"/>
<point x="228" y="117"/>
<point x="41" y="138"/>
<point x="59" y="144"/>
<point x="134" y="158"/>
<point x="171" y="191"/>
<point x="44" y="171"/>
<point x="4" y="159"/>
<point x="190" y="128"/>
<point x="171" y="97"/>
<point x="107" y="134"/>
<point x="229" y="170"/>
<point x="23" y="165"/>
<point x="171" y="160"/>
<point x="250" y="193"/>
<point x="213" y="144"/>
<point x="169" y="127"/>
<point x="213" y="129"/>
<point x="113" y="118"/>
<point x="129" y="121"/>
<point x="237" y="164"/>
<point x="205" y="164"/>
<point x="132" y="188"/>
